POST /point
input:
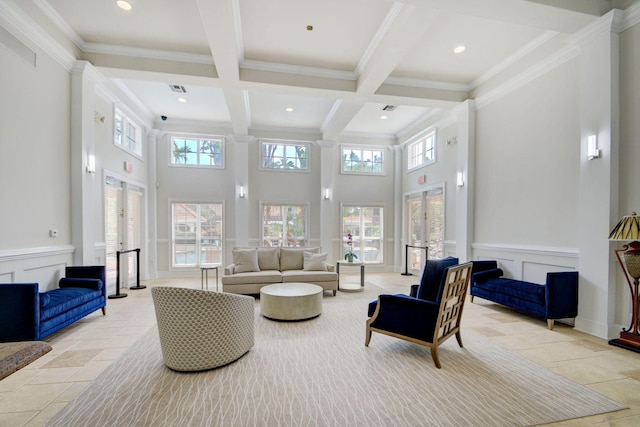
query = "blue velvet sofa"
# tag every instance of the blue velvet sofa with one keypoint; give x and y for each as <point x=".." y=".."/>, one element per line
<point x="29" y="315"/>
<point x="556" y="299"/>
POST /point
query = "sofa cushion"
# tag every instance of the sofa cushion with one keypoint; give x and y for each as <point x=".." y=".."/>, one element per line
<point x="314" y="262"/>
<point x="251" y="278"/>
<point x="245" y="260"/>
<point x="527" y="291"/>
<point x="63" y="300"/>
<point x="268" y="259"/>
<point x="308" y="276"/>
<point x="66" y="282"/>
<point x="432" y="277"/>
<point x="293" y="259"/>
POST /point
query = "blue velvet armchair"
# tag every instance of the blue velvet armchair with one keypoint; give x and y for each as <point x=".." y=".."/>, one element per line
<point x="431" y="314"/>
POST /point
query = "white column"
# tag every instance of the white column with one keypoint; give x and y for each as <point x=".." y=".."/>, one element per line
<point x="153" y="137"/>
<point x="241" y="171"/>
<point x="329" y="215"/>
<point x="465" y="162"/>
<point x="398" y="208"/>
<point x="597" y="212"/>
<point x="85" y="187"/>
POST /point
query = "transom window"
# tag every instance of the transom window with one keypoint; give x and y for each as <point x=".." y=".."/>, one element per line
<point x="127" y="135"/>
<point x="365" y="225"/>
<point x="362" y="160"/>
<point x="284" y="225"/>
<point x="422" y="151"/>
<point x="188" y="151"/>
<point x="284" y="155"/>
<point x="196" y="234"/>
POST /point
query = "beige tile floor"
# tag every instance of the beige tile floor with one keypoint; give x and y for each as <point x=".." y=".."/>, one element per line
<point x="81" y="351"/>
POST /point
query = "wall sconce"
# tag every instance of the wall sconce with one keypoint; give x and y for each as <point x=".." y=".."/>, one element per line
<point x="326" y="193"/>
<point x="241" y="192"/>
<point x="592" y="147"/>
<point x="91" y="163"/>
<point x="460" y="180"/>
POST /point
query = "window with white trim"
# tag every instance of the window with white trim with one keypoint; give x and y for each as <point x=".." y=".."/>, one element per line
<point x="422" y="151"/>
<point x="365" y="225"/>
<point x="196" y="234"/>
<point x="362" y="160"/>
<point x="285" y="225"/>
<point x="189" y="151"/>
<point x="127" y="135"/>
<point x="284" y="155"/>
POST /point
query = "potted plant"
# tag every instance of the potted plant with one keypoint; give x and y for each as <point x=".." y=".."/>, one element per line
<point x="349" y="255"/>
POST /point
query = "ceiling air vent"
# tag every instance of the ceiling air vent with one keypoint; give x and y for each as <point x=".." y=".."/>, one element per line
<point x="178" y="88"/>
<point x="389" y="107"/>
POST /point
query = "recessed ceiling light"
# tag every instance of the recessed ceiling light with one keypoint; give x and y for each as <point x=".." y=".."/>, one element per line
<point x="460" y="48"/>
<point x="384" y="117"/>
<point x="124" y="4"/>
<point x="288" y="109"/>
<point x="183" y="100"/>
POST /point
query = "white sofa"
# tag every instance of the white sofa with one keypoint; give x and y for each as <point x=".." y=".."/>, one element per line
<point x="253" y="268"/>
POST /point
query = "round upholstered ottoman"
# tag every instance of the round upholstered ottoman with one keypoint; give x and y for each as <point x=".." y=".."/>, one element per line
<point x="291" y="301"/>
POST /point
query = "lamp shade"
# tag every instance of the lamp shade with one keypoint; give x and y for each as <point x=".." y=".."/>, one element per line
<point x="628" y="228"/>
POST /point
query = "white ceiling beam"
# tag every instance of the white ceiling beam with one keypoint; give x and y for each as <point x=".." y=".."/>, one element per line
<point x="221" y="25"/>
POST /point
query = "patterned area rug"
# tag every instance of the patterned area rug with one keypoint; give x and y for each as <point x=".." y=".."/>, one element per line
<point x="17" y="355"/>
<point x="319" y="373"/>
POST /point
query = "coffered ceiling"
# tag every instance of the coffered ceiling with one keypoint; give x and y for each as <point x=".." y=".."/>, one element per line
<point x="243" y="63"/>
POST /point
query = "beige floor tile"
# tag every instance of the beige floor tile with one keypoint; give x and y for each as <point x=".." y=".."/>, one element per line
<point x="14" y="419"/>
<point x="32" y="397"/>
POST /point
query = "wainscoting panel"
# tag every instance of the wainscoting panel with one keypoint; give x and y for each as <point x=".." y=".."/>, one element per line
<point x="44" y="266"/>
<point x="530" y="263"/>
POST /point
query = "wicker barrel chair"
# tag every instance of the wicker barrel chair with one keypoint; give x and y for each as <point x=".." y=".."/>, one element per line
<point x="202" y="330"/>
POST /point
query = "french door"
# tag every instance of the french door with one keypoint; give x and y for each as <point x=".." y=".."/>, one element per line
<point x="425" y="228"/>
<point x="123" y="229"/>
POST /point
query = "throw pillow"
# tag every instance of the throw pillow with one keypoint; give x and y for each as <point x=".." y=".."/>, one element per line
<point x="268" y="259"/>
<point x="292" y="259"/>
<point x="245" y="260"/>
<point x="315" y="262"/>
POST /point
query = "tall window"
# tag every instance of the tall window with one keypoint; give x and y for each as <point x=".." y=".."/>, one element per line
<point x="197" y="234"/>
<point x="284" y="155"/>
<point x="197" y="152"/>
<point x="128" y="135"/>
<point x="422" y="151"/>
<point x="362" y="160"/>
<point x="364" y="223"/>
<point x="284" y="225"/>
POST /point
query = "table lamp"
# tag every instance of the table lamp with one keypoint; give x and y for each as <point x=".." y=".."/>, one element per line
<point x="628" y="229"/>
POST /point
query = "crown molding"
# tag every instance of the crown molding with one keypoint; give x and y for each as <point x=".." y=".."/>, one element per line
<point x="631" y="17"/>
<point x="55" y="17"/>
<point x="427" y="84"/>
<point x="23" y="24"/>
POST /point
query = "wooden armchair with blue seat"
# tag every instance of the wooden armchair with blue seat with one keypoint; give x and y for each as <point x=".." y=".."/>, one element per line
<point x="431" y="313"/>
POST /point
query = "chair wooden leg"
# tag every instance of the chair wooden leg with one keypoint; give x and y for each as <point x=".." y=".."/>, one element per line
<point x="550" y="324"/>
<point x="471" y="299"/>
<point x="368" y="337"/>
<point x="104" y="311"/>
<point x="459" y="338"/>
<point x="434" y="355"/>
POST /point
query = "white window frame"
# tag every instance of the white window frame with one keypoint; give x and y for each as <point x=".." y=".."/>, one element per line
<point x="421" y="151"/>
<point x="130" y="140"/>
<point x="199" y="140"/>
<point x="307" y="213"/>
<point x="285" y="143"/>
<point x="347" y="150"/>
<point x="361" y="226"/>
<point x="198" y="238"/>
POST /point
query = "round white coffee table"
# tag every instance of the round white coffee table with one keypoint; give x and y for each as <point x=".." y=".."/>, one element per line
<point x="291" y="301"/>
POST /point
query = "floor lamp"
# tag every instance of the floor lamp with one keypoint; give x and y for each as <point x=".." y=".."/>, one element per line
<point x="628" y="229"/>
